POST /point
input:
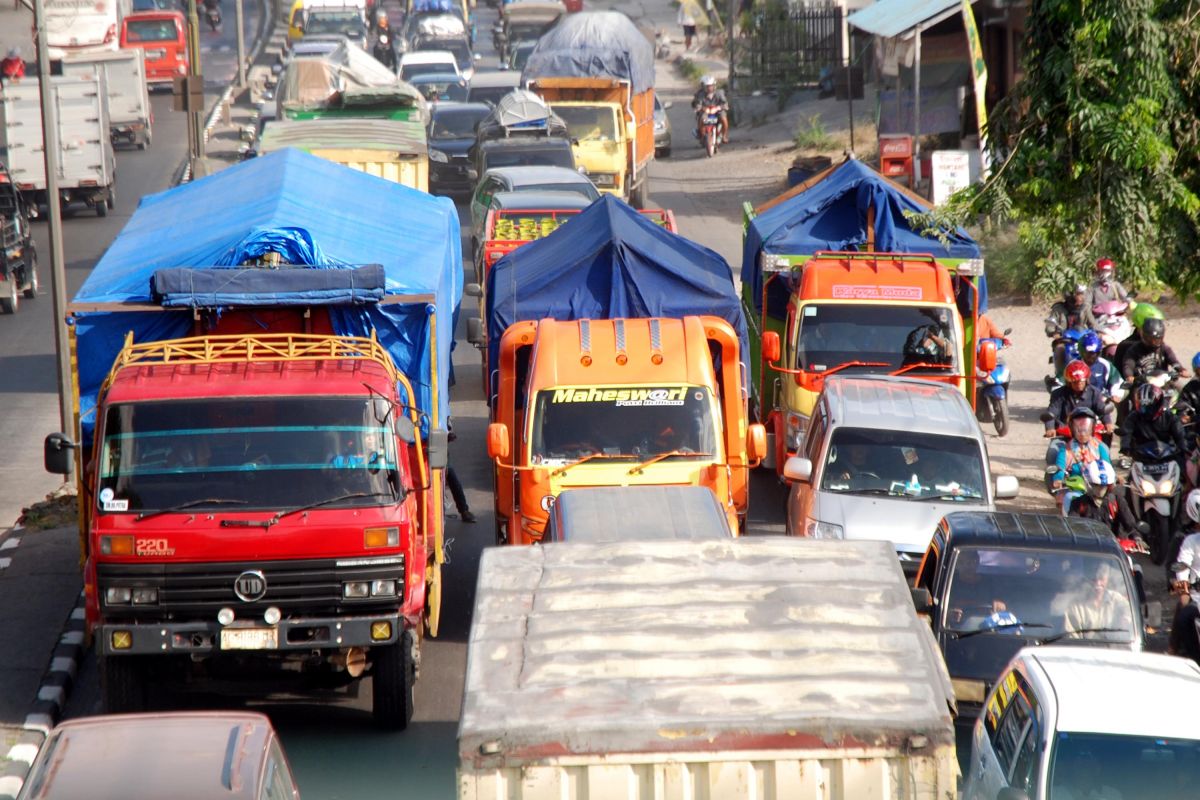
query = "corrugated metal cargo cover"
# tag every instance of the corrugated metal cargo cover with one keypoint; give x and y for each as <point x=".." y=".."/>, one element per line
<point x="580" y="650"/>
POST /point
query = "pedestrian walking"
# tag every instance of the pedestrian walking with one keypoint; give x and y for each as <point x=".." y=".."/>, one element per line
<point x="687" y="20"/>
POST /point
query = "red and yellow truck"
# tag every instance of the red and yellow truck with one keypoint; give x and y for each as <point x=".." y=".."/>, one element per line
<point x="618" y="402"/>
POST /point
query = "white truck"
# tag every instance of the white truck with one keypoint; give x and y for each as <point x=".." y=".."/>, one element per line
<point x="87" y="166"/>
<point x="764" y="668"/>
<point x="82" y="26"/>
<point x="130" y="118"/>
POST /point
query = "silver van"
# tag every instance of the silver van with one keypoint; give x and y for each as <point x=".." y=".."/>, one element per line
<point x="886" y="458"/>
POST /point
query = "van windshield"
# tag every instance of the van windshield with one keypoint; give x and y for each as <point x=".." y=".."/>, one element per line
<point x="904" y="464"/>
<point x="151" y="30"/>
<point x="346" y="23"/>
<point x="623" y="423"/>
<point x="504" y="154"/>
<point x="274" y="453"/>
<point x="1118" y="765"/>
<point x="1043" y="593"/>
<point x="896" y="336"/>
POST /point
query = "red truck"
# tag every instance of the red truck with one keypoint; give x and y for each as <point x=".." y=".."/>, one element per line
<point x="261" y="463"/>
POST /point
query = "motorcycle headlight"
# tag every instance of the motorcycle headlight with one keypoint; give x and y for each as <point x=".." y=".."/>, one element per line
<point x="1148" y="487"/>
<point x="1166" y="487"/>
<point x="815" y="529"/>
<point x="439" y="157"/>
<point x="795" y="426"/>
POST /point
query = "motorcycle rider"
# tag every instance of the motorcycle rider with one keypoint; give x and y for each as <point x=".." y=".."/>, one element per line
<point x="1104" y="289"/>
<point x="1183" y="640"/>
<point x="1076" y="392"/>
<point x="710" y="95"/>
<point x="1151" y="421"/>
<point x="1082" y="448"/>
<point x="384" y="50"/>
<point x="1189" y="395"/>
<point x="1151" y="353"/>
<point x="1104" y="376"/>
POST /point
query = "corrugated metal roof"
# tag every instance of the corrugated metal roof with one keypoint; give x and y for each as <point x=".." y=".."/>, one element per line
<point x="889" y="18"/>
<point x="344" y="132"/>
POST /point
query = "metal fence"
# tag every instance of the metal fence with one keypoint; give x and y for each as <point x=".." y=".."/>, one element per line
<point x="786" y="45"/>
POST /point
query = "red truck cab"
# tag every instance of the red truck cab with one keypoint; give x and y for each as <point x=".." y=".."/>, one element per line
<point x="161" y="34"/>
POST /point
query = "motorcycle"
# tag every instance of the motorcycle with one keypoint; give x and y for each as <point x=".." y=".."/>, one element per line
<point x="1154" y="482"/>
<point x="992" y="393"/>
<point x="710" y="128"/>
<point x="1112" y="324"/>
<point x="213" y="14"/>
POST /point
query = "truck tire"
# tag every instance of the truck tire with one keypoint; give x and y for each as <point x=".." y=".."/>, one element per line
<point x="394" y="674"/>
<point x="32" y="290"/>
<point x="638" y="196"/>
<point x="10" y="302"/>
<point x="122" y="684"/>
<point x="102" y="208"/>
<point x="111" y="200"/>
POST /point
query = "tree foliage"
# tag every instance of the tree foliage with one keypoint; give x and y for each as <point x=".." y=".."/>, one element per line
<point x="1096" y="151"/>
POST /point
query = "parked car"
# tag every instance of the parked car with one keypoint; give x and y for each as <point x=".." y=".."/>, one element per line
<point x="451" y="136"/>
<point x="160" y="34"/>
<point x="886" y="458"/>
<point x="525" y="179"/>
<point x="440" y="87"/>
<point x="424" y="62"/>
<point x="662" y="128"/>
<point x="601" y="514"/>
<point x="489" y="87"/>
<point x="217" y="755"/>
<point x="1076" y="722"/>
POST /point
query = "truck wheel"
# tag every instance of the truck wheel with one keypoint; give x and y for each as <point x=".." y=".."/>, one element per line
<point x="32" y="290"/>
<point x="9" y="303"/>
<point x="394" y="674"/>
<point x="638" y="196"/>
<point x="111" y="200"/>
<point x="102" y="208"/>
<point x="122" y="684"/>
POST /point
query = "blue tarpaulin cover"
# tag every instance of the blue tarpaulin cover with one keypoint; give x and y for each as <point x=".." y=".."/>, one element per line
<point x="254" y="287"/>
<point x="832" y="215"/>
<point x="593" y="44"/>
<point x="607" y="262"/>
<point x="312" y="212"/>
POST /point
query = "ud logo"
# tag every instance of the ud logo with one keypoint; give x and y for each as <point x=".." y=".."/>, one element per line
<point x="250" y="586"/>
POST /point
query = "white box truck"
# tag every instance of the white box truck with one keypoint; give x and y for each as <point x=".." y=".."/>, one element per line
<point x="82" y="26"/>
<point x="764" y="668"/>
<point x="130" y="118"/>
<point x="87" y="167"/>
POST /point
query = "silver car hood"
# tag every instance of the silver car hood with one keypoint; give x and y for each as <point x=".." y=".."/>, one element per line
<point x="907" y="524"/>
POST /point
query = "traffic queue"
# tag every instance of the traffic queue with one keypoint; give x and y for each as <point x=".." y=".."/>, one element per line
<point x="263" y="413"/>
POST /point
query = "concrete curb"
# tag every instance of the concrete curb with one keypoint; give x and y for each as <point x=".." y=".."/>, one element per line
<point x="18" y="760"/>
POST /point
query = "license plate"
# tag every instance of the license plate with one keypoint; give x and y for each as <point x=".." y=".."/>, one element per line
<point x="155" y="54"/>
<point x="250" y="639"/>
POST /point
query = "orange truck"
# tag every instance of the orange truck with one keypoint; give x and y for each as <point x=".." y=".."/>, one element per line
<point x="618" y="402"/>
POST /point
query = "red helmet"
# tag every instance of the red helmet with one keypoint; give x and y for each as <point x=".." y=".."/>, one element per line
<point x="1077" y="371"/>
<point x="1105" y="266"/>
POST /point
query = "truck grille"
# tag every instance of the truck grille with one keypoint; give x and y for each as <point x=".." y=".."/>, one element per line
<point x="198" y="591"/>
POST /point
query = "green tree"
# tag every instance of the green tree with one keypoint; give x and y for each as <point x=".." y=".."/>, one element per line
<point x="1094" y="152"/>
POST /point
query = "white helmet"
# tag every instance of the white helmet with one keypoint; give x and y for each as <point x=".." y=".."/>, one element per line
<point x="1192" y="505"/>
<point x="708" y="80"/>
<point x="1100" y="476"/>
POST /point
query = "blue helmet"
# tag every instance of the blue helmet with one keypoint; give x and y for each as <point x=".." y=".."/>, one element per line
<point x="1090" y="343"/>
<point x="1196" y="362"/>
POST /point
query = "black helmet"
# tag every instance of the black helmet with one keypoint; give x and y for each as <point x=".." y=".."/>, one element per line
<point x="1149" y="398"/>
<point x="1153" y="330"/>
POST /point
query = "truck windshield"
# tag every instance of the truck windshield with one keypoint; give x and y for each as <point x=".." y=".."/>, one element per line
<point x="264" y="453"/>
<point x="1079" y="596"/>
<point x="589" y="123"/>
<point x="504" y="154"/>
<point x="636" y="422"/>
<point x="346" y="23"/>
<point x="1122" y="765"/>
<point x="904" y="464"/>
<point x="833" y="334"/>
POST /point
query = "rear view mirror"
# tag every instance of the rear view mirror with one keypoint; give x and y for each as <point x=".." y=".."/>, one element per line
<point x="1007" y="487"/>
<point x="56" y="454"/>
<point x="668" y="104"/>
<point x="497" y="441"/>
<point x="797" y="468"/>
<point x="406" y="430"/>
<point x="475" y="334"/>
<point x="756" y="443"/>
<point x="922" y="600"/>
<point x="1154" y="614"/>
<point x="770" y="347"/>
<point x="987" y="356"/>
<point x="473" y="290"/>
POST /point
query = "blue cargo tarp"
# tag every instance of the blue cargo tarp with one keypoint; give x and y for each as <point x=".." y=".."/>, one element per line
<point x="312" y="212"/>
<point x="609" y="261"/>
<point x="832" y="215"/>
<point x="593" y="44"/>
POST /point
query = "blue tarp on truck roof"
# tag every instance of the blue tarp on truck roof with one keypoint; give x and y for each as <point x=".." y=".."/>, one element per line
<point x="609" y="261"/>
<point x="593" y="44"/>
<point x="311" y="211"/>
<point x="832" y="215"/>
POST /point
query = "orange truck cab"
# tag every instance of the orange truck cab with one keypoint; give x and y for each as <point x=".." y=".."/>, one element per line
<point x="618" y="402"/>
<point x="161" y="34"/>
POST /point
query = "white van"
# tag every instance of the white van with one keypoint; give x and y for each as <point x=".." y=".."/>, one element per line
<point x="1066" y="723"/>
<point x="82" y="26"/>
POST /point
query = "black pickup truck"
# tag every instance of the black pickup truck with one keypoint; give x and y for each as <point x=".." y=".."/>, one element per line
<point x="18" y="256"/>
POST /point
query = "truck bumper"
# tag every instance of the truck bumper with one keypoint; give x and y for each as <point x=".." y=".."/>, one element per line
<point x="205" y="638"/>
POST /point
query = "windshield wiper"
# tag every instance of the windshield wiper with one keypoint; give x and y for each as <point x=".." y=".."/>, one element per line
<point x="641" y="465"/>
<point x="994" y="628"/>
<point x="266" y="523"/>
<point x="865" y="490"/>
<point x="1056" y="637"/>
<point x="217" y="501"/>
<point x="950" y="496"/>
<point x="587" y="458"/>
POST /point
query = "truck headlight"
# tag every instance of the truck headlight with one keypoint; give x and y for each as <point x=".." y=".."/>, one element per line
<point x="794" y="428"/>
<point x="383" y="588"/>
<point x="603" y="178"/>
<point x="356" y="589"/>
<point x="118" y="595"/>
<point x="439" y="157"/>
<point x="145" y="596"/>
<point x="966" y="691"/>
<point x="815" y="529"/>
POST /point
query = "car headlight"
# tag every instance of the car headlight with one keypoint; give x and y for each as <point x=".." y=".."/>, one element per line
<point x="795" y="426"/>
<point x="815" y="529"/>
<point x="659" y="127"/>
<point x="439" y="157"/>
<point x="966" y="691"/>
<point x="118" y="595"/>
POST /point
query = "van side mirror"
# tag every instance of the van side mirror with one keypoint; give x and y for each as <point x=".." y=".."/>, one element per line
<point x="1154" y="614"/>
<point x="987" y="356"/>
<point x="497" y="441"/>
<point x="770" y="347"/>
<point x="1007" y="487"/>
<point x="798" y="468"/>
<point x="922" y="600"/>
<point x="756" y="443"/>
<point x="57" y="456"/>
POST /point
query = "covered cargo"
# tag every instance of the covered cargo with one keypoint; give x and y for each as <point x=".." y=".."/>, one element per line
<point x="749" y="668"/>
<point x="594" y="44"/>
<point x="310" y="83"/>
<point x="390" y="149"/>
<point x="609" y="262"/>
<point x="520" y="112"/>
<point x="320" y="216"/>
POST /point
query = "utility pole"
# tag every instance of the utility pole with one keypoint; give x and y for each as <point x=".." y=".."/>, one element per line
<point x="241" y="44"/>
<point x="58" y="270"/>
<point x="195" y="89"/>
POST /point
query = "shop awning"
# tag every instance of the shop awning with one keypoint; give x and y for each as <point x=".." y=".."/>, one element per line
<point x="889" y="18"/>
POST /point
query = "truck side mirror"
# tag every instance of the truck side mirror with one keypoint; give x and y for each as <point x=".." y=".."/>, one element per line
<point x="987" y="356"/>
<point x="756" y="443"/>
<point x="56" y="454"/>
<point x="475" y="334"/>
<point x="770" y="347"/>
<point x="406" y="430"/>
<point x="473" y="290"/>
<point x="439" y="449"/>
<point x="497" y="441"/>
<point x="922" y="600"/>
<point x="797" y="468"/>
